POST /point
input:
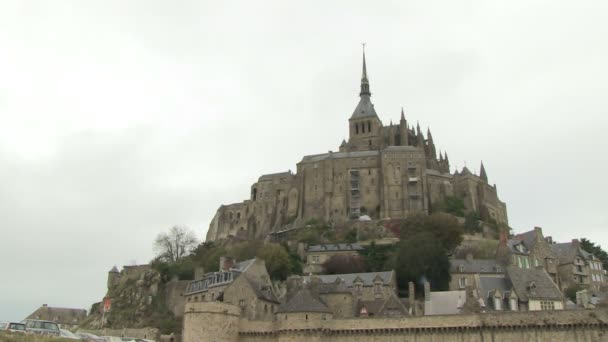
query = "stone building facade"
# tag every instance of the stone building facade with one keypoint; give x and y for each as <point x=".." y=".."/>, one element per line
<point x="578" y="267"/>
<point x="245" y="284"/>
<point x="383" y="171"/>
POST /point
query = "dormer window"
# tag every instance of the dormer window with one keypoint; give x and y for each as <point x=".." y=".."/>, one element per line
<point x="532" y="288"/>
<point x="461" y="268"/>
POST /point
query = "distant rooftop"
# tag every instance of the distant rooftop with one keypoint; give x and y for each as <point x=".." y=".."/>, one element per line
<point x="335" y="247"/>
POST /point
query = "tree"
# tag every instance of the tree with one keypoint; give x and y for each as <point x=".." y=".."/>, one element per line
<point x="175" y="245"/>
<point x="421" y="258"/>
<point x="596" y="250"/>
<point x="443" y="227"/>
<point x="278" y="262"/>
<point x="377" y="257"/>
<point x="340" y="264"/>
<point x="471" y="222"/>
<point x="451" y="205"/>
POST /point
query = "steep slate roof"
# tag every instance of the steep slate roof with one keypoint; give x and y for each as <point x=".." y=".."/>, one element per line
<point x="337" y="247"/>
<point x="445" y="303"/>
<point x="364" y="109"/>
<point x="475" y="266"/>
<point x="303" y="301"/>
<point x="59" y="315"/>
<point x="241" y="266"/>
<point x="512" y="243"/>
<point x="529" y="239"/>
<point x="114" y="270"/>
<point x="521" y="280"/>
<point x="267" y="294"/>
<point x="490" y="284"/>
<point x="349" y="279"/>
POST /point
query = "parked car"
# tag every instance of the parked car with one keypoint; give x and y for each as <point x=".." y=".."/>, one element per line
<point x="13" y="327"/>
<point x="68" y="334"/>
<point x="41" y="327"/>
<point x="89" y="337"/>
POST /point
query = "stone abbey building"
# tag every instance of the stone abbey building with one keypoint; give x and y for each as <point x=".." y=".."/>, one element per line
<point x="382" y="171"/>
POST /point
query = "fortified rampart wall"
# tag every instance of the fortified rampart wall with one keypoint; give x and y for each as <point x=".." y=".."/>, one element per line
<point x="221" y="322"/>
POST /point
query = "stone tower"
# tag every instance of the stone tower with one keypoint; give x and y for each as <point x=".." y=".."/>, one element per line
<point x="113" y="276"/>
<point x="365" y="128"/>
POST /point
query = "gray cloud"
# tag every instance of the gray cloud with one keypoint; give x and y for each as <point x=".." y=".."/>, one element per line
<point x="119" y="119"/>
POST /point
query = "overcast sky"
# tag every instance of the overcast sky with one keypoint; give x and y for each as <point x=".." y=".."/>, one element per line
<point x="121" y="118"/>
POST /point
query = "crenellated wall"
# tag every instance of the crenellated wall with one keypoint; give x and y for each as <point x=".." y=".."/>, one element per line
<point x="222" y="322"/>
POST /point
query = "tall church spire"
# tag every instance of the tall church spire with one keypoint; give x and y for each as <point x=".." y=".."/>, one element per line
<point x="364" y="80"/>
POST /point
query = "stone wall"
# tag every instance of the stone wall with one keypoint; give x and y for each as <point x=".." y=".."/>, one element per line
<point x="222" y="322"/>
<point x="147" y="333"/>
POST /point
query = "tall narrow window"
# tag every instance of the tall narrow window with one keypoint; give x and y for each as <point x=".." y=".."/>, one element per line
<point x="369" y="126"/>
<point x="356" y="128"/>
<point x="363" y="127"/>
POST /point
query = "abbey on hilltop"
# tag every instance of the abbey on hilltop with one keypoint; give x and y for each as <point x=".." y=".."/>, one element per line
<point x="382" y="171"/>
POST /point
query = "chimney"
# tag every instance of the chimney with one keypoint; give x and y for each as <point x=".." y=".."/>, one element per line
<point x="549" y="240"/>
<point x="539" y="233"/>
<point x="315" y="284"/>
<point x="199" y="273"/>
<point x="576" y="243"/>
<point x="44" y="305"/>
<point x="427" y="291"/>
<point x="469" y="257"/>
<point x="226" y="263"/>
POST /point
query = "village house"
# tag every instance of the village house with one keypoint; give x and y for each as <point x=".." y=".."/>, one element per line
<point x="579" y="268"/>
<point x="246" y="284"/>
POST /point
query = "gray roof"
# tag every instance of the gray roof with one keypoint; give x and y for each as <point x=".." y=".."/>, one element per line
<point x="529" y="238"/>
<point x="242" y="265"/>
<point x="512" y="243"/>
<point x="271" y="176"/>
<point x="364" y="109"/>
<point x="567" y="251"/>
<point x="264" y="292"/>
<point x="349" y="279"/>
<point x="445" y="303"/>
<point x="521" y="280"/>
<point x="488" y="284"/>
<point x="475" y="266"/>
<point x="114" y="270"/>
<point x="303" y="301"/>
<point x="338" y="155"/>
<point x="335" y="247"/>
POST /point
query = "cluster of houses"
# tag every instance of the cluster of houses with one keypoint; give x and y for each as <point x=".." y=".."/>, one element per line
<point x="529" y="273"/>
